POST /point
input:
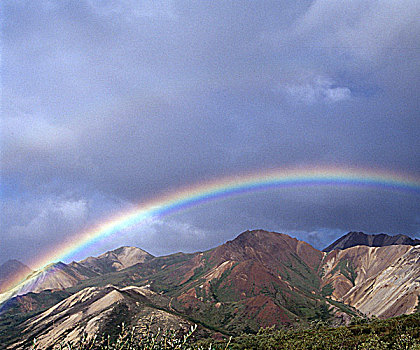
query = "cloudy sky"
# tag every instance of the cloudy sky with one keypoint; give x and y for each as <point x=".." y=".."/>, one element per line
<point x="106" y="104"/>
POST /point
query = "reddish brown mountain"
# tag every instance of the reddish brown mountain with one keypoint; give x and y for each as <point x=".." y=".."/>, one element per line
<point x="258" y="279"/>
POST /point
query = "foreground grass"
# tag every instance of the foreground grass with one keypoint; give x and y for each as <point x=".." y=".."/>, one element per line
<point x="129" y="339"/>
<point x="399" y="333"/>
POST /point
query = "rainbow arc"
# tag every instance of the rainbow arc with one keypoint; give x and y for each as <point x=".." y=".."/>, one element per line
<point x="201" y="193"/>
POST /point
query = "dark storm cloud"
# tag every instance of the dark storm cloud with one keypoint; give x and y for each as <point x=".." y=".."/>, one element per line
<point x="106" y="105"/>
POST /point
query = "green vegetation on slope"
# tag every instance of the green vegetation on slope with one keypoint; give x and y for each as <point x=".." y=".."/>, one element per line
<point x="346" y="268"/>
<point x="397" y="333"/>
<point x="299" y="274"/>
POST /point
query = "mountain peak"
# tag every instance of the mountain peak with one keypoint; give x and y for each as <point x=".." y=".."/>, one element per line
<point x="266" y="247"/>
<point x="10" y="269"/>
<point x="352" y="239"/>
<point x="260" y="236"/>
<point x="116" y="260"/>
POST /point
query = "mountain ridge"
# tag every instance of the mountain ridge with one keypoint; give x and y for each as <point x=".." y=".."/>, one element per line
<point x="59" y="275"/>
<point x="125" y="256"/>
<point x="91" y="311"/>
<point x="355" y="238"/>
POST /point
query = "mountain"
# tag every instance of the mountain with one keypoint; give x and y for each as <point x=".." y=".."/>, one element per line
<point x="94" y="311"/>
<point x="9" y="270"/>
<point x="258" y="279"/>
<point x="59" y="276"/>
<point x="55" y="276"/>
<point x="378" y="281"/>
<point x="353" y="239"/>
<point x="115" y="260"/>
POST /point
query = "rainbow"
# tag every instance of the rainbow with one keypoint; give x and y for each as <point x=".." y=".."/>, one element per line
<point x="195" y="195"/>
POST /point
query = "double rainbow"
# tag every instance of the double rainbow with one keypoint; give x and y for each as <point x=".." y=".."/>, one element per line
<point x="221" y="188"/>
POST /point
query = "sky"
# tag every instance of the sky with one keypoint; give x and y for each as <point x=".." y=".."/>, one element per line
<point x="106" y="105"/>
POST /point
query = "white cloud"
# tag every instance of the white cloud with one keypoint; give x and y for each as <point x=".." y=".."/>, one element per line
<point x="318" y="89"/>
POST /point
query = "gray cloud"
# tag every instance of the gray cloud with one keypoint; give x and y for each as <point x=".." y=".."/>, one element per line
<point x="113" y="105"/>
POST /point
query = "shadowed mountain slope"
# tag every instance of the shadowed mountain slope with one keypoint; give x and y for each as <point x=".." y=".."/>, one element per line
<point x="353" y="239"/>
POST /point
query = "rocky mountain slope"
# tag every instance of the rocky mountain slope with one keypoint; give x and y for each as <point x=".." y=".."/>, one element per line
<point x="378" y="281"/>
<point x="353" y="239"/>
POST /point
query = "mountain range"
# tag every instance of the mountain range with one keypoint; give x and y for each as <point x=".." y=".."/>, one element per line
<point x="259" y="279"/>
<point x="353" y="239"/>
